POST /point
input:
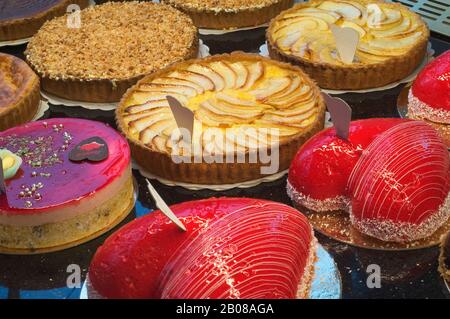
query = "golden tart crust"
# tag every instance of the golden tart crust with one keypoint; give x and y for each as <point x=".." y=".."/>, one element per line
<point x="387" y="52"/>
<point x="237" y="91"/>
<point x="230" y="14"/>
<point x="19" y="92"/>
<point x="27" y="24"/>
<point x="117" y="44"/>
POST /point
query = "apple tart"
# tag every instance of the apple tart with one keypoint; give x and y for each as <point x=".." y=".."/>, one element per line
<point x="241" y="104"/>
<point x="116" y="45"/>
<point x="230" y="14"/>
<point x="392" y="43"/>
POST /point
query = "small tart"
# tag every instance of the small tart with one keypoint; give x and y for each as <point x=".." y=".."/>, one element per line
<point x="268" y="102"/>
<point x="229" y="14"/>
<point x="444" y="258"/>
<point x="53" y="202"/>
<point x="20" y="19"/>
<point x="391" y="45"/>
<point x="19" y="92"/>
<point x="117" y="44"/>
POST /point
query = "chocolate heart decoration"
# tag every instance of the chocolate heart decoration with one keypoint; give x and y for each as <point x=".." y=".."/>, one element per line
<point x="92" y="149"/>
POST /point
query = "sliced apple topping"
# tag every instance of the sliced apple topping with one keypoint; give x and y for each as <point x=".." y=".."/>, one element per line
<point x="327" y="16"/>
<point x="286" y="42"/>
<point x="177" y="82"/>
<point x="295" y="121"/>
<point x="226" y="72"/>
<point x="301" y="48"/>
<point x="390" y="18"/>
<point x="146" y="106"/>
<point x="241" y="74"/>
<point x="389" y="47"/>
<point x="195" y="78"/>
<point x="141" y="97"/>
<point x="159" y="127"/>
<point x="167" y="89"/>
<point x="295" y="110"/>
<point x="347" y="10"/>
<point x="405" y="27"/>
<point x="141" y="123"/>
<point x="159" y="144"/>
<point x="271" y="87"/>
<point x="241" y="104"/>
<point x="217" y="79"/>
<point x="296" y="81"/>
<point x="302" y="95"/>
<point x="224" y="109"/>
<point x="142" y="114"/>
<point x="256" y="71"/>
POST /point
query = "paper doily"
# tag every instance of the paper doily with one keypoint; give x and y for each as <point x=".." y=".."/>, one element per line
<point x="217" y="188"/>
<point x="43" y="107"/>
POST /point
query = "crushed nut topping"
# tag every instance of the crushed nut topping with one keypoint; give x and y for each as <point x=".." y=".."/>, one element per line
<point x="116" y="41"/>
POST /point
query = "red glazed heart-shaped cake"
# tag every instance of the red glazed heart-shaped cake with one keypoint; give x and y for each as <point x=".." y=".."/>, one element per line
<point x="320" y="170"/>
<point x="233" y="248"/>
<point x="400" y="184"/>
<point x="429" y="97"/>
<point x="391" y="174"/>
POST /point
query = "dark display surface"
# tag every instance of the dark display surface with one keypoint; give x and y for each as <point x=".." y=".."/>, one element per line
<point x="404" y="274"/>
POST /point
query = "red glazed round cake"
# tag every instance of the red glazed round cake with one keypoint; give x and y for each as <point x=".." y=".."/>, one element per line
<point x="391" y="174"/>
<point x="429" y="97"/>
<point x="233" y="248"/>
<point x="54" y="201"/>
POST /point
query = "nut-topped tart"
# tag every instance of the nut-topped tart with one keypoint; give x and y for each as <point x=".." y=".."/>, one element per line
<point x="67" y="181"/>
<point x="19" y="92"/>
<point x="21" y="19"/>
<point x="242" y="104"/>
<point x="392" y="41"/>
<point x="116" y="45"/>
<point x="229" y="14"/>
